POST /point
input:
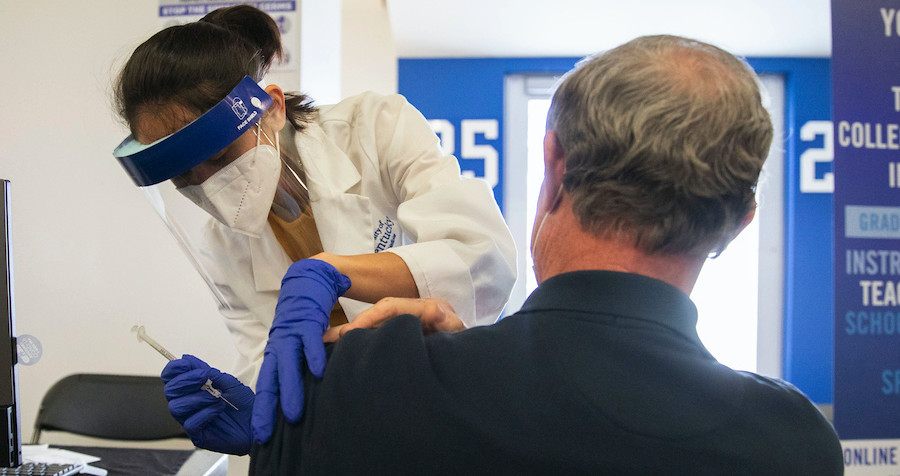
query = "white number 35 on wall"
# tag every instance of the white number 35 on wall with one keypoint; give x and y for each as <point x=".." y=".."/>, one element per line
<point x="489" y="128"/>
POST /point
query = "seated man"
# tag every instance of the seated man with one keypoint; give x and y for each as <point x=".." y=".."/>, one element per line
<point x="652" y="156"/>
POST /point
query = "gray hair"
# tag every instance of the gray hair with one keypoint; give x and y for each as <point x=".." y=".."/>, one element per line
<point x="664" y="139"/>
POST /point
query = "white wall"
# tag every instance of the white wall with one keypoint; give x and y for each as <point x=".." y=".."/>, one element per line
<point x="369" y="56"/>
<point x="91" y="257"/>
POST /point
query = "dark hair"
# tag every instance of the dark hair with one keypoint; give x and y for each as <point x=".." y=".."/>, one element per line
<point x="664" y="139"/>
<point x="197" y="64"/>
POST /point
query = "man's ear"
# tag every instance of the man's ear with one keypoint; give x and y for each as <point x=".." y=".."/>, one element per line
<point x="554" y="171"/>
<point x="275" y="116"/>
<point x="746" y="220"/>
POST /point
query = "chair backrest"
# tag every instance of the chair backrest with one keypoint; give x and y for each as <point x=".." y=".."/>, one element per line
<point x="118" y="407"/>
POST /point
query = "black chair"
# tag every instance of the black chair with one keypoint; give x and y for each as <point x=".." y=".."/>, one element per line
<point x="116" y="407"/>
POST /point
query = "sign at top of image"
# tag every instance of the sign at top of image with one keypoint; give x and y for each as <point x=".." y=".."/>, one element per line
<point x="179" y="12"/>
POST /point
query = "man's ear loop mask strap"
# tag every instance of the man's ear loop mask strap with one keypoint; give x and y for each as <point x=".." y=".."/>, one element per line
<point x="177" y="153"/>
<point x="555" y="201"/>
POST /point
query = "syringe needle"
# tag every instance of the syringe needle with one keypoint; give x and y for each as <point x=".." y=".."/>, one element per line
<point x="143" y="337"/>
<point x="209" y="388"/>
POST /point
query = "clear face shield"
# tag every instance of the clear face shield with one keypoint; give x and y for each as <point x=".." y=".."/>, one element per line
<point x="234" y="200"/>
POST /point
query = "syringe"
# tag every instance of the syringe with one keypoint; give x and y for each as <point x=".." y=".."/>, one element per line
<point x="143" y="337"/>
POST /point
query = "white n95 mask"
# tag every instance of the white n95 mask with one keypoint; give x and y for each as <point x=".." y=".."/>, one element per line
<point x="241" y="193"/>
<point x="223" y="224"/>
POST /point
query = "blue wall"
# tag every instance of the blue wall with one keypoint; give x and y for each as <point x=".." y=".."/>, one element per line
<point x="459" y="89"/>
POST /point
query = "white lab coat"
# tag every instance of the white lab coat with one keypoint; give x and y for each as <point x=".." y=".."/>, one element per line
<point x="378" y="181"/>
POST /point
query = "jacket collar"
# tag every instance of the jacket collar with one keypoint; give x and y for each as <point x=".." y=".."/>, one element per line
<point x="623" y="295"/>
<point x="328" y="168"/>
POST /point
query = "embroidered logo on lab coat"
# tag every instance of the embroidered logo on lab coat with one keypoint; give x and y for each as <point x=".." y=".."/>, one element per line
<point x="384" y="235"/>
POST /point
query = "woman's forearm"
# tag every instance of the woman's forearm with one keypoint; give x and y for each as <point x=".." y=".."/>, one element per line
<point x="374" y="276"/>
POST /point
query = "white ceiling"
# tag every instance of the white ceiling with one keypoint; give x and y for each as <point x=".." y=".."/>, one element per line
<point x="532" y="28"/>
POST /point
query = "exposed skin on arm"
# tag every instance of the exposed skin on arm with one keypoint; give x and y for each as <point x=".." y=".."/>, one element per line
<point x="436" y="315"/>
<point x="374" y="276"/>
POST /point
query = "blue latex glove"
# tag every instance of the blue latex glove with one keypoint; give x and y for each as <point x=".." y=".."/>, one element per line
<point x="210" y="422"/>
<point x="309" y="291"/>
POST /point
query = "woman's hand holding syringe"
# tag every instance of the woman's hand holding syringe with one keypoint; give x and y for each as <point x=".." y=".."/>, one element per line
<point x="189" y="387"/>
<point x="143" y="337"/>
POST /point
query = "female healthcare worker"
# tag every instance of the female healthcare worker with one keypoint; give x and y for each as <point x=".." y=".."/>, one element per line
<point x="361" y="186"/>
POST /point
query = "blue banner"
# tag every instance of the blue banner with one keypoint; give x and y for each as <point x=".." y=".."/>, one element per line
<point x="866" y="79"/>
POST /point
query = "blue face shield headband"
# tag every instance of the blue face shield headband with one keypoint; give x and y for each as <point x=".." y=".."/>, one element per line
<point x="177" y="153"/>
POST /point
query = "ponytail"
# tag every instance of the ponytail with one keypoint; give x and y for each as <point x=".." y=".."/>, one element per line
<point x="253" y="26"/>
